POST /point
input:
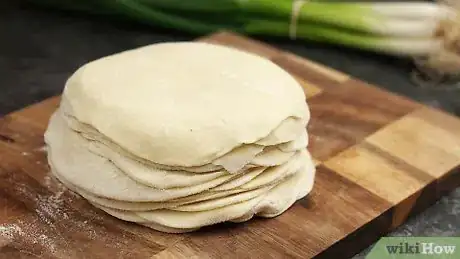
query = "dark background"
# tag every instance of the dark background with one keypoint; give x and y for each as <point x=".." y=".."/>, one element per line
<point x="40" y="49"/>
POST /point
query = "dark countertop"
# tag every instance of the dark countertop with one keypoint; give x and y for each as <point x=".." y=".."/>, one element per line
<point x="39" y="49"/>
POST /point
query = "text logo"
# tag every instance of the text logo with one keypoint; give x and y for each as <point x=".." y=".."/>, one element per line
<point x="420" y="248"/>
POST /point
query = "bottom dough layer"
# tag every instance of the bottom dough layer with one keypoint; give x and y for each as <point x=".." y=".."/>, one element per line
<point x="270" y="204"/>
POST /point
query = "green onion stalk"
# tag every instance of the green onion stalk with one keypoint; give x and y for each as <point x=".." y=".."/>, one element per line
<point x="427" y="32"/>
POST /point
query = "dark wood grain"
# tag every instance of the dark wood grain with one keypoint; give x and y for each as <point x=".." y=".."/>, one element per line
<point x="305" y="73"/>
<point x="346" y="115"/>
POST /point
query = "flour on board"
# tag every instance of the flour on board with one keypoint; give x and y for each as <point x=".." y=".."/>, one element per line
<point x="27" y="233"/>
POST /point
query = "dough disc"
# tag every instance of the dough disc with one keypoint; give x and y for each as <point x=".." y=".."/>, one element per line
<point x="168" y="108"/>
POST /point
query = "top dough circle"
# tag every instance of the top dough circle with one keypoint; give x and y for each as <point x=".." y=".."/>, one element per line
<point x="184" y="103"/>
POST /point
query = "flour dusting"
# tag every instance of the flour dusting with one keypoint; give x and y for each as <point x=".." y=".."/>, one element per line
<point x="50" y="207"/>
<point x="41" y="231"/>
<point x="27" y="233"/>
<point x="9" y="230"/>
<point x="49" y="220"/>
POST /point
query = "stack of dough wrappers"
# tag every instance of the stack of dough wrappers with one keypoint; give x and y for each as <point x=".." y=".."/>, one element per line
<point x="178" y="136"/>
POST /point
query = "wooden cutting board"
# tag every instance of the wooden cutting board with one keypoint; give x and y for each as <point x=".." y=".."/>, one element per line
<point x="380" y="159"/>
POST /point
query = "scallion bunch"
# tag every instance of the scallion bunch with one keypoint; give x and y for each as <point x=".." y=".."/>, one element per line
<point x="428" y="32"/>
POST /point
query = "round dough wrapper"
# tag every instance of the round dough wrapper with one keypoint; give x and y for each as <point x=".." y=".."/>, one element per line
<point x="222" y="202"/>
<point x="69" y="155"/>
<point x="267" y="176"/>
<point x="191" y="203"/>
<point x="300" y="142"/>
<point x="240" y="158"/>
<point x="184" y="103"/>
<point x="150" y="176"/>
<point x="271" y="204"/>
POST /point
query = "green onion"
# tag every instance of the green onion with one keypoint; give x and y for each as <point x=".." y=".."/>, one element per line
<point x="194" y="5"/>
<point x="389" y="45"/>
<point x="419" y="19"/>
<point x="424" y="31"/>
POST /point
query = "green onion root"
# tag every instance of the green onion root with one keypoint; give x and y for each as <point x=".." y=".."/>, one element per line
<point x="444" y="64"/>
